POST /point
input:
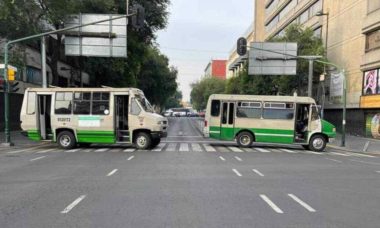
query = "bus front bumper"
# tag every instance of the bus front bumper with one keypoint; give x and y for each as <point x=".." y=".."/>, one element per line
<point x="159" y="134"/>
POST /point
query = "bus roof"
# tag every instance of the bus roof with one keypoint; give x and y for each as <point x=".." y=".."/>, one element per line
<point x="263" y="98"/>
<point x="101" y="89"/>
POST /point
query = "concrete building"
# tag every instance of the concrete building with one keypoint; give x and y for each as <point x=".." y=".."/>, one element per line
<point x="217" y="69"/>
<point x="350" y="30"/>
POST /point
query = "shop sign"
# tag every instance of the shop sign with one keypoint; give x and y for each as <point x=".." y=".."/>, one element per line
<point x="370" y="101"/>
<point x="373" y="125"/>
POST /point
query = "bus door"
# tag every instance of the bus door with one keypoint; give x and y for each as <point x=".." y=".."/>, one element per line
<point x="227" y="122"/>
<point x="302" y="126"/>
<point x="121" y="118"/>
<point x="44" y="116"/>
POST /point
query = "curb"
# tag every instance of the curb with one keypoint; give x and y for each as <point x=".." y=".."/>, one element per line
<point x="352" y="151"/>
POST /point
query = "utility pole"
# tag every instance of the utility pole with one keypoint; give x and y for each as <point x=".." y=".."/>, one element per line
<point x="43" y="62"/>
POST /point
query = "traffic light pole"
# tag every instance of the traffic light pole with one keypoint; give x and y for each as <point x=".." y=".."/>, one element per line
<point x="6" y="83"/>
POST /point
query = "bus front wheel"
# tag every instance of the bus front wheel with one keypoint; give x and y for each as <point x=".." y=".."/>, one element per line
<point x="244" y="139"/>
<point x="66" y="140"/>
<point x="143" y="141"/>
<point x="317" y="143"/>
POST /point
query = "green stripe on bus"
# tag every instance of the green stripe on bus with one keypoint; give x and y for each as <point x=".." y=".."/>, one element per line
<point x="261" y="135"/>
<point x="34" y="135"/>
<point x="107" y="137"/>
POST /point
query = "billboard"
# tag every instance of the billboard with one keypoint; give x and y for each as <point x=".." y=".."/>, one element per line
<point x="336" y="87"/>
<point x="272" y="58"/>
<point x="370" y="82"/>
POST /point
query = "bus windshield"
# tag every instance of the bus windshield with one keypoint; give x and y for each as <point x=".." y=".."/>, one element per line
<point x="144" y="103"/>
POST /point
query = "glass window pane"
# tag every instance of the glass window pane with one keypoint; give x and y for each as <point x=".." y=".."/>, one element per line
<point x="135" y="108"/>
<point x="31" y="105"/>
<point x="63" y="102"/>
<point x="100" y="107"/>
<point x="231" y="113"/>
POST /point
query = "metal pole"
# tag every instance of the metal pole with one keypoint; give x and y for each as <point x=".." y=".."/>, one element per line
<point x="43" y="62"/>
<point x="323" y="100"/>
<point x="310" y="81"/>
<point x="343" y="143"/>
<point x="6" y="100"/>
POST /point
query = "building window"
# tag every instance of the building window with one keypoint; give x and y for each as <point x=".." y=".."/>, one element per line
<point x="317" y="7"/>
<point x="287" y="9"/>
<point x="373" y="5"/>
<point x="272" y="23"/>
<point x="33" y="75"/>
<point x="271" y="6"/>
<point x="372" y="40"/>
<point x="304" y="17"/>
<point x="318" y="32"/>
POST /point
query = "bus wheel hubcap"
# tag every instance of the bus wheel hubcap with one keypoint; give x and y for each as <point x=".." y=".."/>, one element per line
<point x="318" y="143"/>
<point x="65" y="140"/>
<point x="141" y="141"/>
<point x="245" y="140"/>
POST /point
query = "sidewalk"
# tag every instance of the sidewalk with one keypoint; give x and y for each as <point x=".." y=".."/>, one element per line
<point x="357" y="144"/>
<point x="18" y="140"/>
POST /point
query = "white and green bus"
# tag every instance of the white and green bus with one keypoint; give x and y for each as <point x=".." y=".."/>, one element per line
<point x="267" y="119"/>
<point x="81" y="116"/>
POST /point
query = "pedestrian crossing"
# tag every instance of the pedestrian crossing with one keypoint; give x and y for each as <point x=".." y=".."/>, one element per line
<point x="200" y="147"/>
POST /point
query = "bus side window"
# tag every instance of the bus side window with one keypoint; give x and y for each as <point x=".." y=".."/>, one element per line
<point x="63" y="102"/>
<point x="31" y="104"/>
<point x="82" y="103"/>
<point x="231" y="114"/>
<point x="135" y="108"/>
<point x="282" y="111"/>
<point x="215" y="107"/>
<point x="100" y="103"/>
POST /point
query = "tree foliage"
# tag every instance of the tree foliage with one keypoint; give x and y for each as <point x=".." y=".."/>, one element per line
<point x="202" y="89"/>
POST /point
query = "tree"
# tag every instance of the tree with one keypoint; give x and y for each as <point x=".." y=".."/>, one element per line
<point x="202" y="90"/>
<point x="174" y="101"/>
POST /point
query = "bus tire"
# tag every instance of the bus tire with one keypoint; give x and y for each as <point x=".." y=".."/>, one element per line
<point x="143" y="141"/>
<point x="244" y="139"/>
<point x="66" y="140"/>
<point x="317" y="143"/>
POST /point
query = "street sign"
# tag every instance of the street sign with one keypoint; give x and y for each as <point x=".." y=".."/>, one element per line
<point x="272" y="58"/>
<point x="106" y="39"/>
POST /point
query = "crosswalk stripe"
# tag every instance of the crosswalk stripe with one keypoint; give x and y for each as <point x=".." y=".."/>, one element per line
<point x="171" y="147"/>
<point x="87" y="150"/>
<point x="276" y="151"/>
<point x="339" y="154"/>
<point x="262" y="150"/>
<point x="289" y="151"/>
<point x="72" y="151"/>
<point x="184" y="147"/>
<point x="209" y="148"/>
<point x="249" y="150"/>
<point x="101" y="150"/>
<point x="313" y="152"/>
<point x="160" y="147"/>
<point x="129" y="150"/>
<point x="115" y="150"/>
<point x="235" y="149"/>
<point x="45" y="151"/>
<point x="362" y="155"/>
<point x="196" y="147"/>
<point x="302" y="203"/>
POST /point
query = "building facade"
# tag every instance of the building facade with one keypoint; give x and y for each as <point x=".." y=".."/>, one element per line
<point x="216" y="69"/>
<point x="350" y="31"/>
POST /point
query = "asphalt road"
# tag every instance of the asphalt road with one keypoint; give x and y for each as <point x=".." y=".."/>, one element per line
<point x="187" y="181"/>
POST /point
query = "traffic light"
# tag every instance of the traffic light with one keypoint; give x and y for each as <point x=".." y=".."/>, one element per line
<point x="138" y="20"/>
<point x="11" y="74"/>
<point x="241" y="46"/>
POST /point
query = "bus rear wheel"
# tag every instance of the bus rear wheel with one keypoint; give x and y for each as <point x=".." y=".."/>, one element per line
<point x="317" y="143"/>
<point x="66" y="140"/>
<point x="143" y="141"/>
<point x="244" y="139"/>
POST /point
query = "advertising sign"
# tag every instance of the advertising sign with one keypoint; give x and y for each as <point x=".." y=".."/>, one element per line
<point x="336" y="87"/>
<point x="373" y="125"/>
<point x="370" y="84"/>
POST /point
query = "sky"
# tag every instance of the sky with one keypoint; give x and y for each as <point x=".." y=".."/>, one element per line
<point x="201" y="30"/>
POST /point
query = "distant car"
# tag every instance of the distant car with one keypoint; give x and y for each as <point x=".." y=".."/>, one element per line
<point x="192" y="114"/>
<point x="201" y="114"/>
<point x="168" y="114"/>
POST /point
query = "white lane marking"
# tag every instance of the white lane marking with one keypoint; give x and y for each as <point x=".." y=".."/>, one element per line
<point x="334" y="160"/>
<point x="235" y="149"/>
<point x="171" y="147"/>
<point x="87" y="150"/>
<point x="249" y="150"/>
<point x="72" y="151"/>
<point x="160" y="147"/>
<point x="129" y="150"/>
<point x="313" y="152"/>
<point x="277" y="151"/>
<point x="130" y="158"/>
<point x="339" y="154"/>
<point x="262" y="150"/>
<point x="45" y="151"/>
<point x="377" y="171"/>
<point x="101" y="150"/>
<point x="258" y="172"/>
<point x="362" y="155"/>
<point x="184" y="147"/>
<point x="209" y="148"/>
<point x="302" y="203"/>
<point x="196" y="147"/>
<point x="112" y="173"/>
<point x="28" y="149"/>
<point x="73" y="204"/>
<point x="364" y="162"/>
<point x="289" y="151"/>
<point x="222" y="158"/>
<point x="115" y="150"/>
<point x="271" y="204"/>
<point x="35" y="159"/>
<point x="237" y="172"/>
<point x="239" y="159"/>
